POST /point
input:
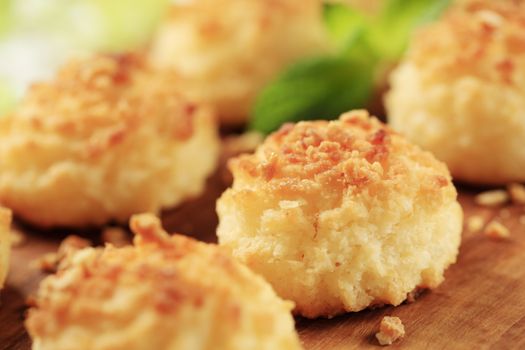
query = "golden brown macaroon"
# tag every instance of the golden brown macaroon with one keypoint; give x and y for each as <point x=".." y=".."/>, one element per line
<point x="340" y="216"/>
<point x="164" y="292"/>
<point x="460" y="91"/>
<point x="5" y="243"/>
<point x="225" y="51"/>
<point x="107" y="138"/>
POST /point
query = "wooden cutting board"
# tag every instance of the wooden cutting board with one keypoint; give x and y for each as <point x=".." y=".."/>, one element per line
<point x="481" y="305"/>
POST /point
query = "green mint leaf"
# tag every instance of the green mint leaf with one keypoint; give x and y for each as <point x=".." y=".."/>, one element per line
<point x="343" y="24"/>
<point x="397" y="21"/>
<point x="320" y="88"/>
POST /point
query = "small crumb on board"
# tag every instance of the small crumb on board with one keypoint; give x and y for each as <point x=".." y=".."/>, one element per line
<point x="475" y="223"/>
<point x="517" y="193"/>
<point x="46" y="263"/>
<point x="116" y="236"/>
<point x="413" y="295"/>
<point x="50" y="262"/>
<point x="244" y="143"/>
<point x="390" y="330"/>
<point x="492" y="198"/>
<point x="496" y="230"/>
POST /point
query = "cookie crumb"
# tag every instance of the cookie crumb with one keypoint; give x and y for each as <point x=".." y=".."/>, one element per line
<point x="116" y="236"/>
<point x="244" y="143"/>
<point x="413" y="295"/>
<point x="376" y="306"/>
<point x="492" y="198"/>
<point x="390" y="330"/>
<point x="46" y="263"/>
<point x="490" y="18"/>
<point x="496" y="230"/>
<point x="475" y="223"/>
<point x="233" y="146"/>
<point x="517" y="193"/>
<point x="50" y="262"/>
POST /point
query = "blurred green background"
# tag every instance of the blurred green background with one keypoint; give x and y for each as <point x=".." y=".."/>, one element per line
<point x="36" y="36"/>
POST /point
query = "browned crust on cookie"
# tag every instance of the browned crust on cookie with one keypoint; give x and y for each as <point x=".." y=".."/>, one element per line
<point x="481" y="38"/>
<point x="356" y="151"/>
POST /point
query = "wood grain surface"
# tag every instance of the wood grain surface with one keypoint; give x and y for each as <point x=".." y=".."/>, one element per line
<point x="481" y="305"/>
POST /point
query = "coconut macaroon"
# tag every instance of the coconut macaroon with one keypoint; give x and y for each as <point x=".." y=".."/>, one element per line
<point x="225" y="51"/>
<point x="105" y="139"/>
<point x="460" y="91"/>
<point x="340" y="216"/>
<point x="5" y="243"/>
<point x="162" y="293"/>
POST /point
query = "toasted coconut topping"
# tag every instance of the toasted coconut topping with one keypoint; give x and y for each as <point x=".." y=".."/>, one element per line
<point x="355" y="151"/>
<point x="102" y="99"/>
<point x="484" y="39"/>
<point x="162" y="276"/>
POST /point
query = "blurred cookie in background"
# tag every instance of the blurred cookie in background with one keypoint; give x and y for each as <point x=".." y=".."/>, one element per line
<point x="460" y="91"/>
<point x="225" y="51"/>
<point x="105" y="139"/>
